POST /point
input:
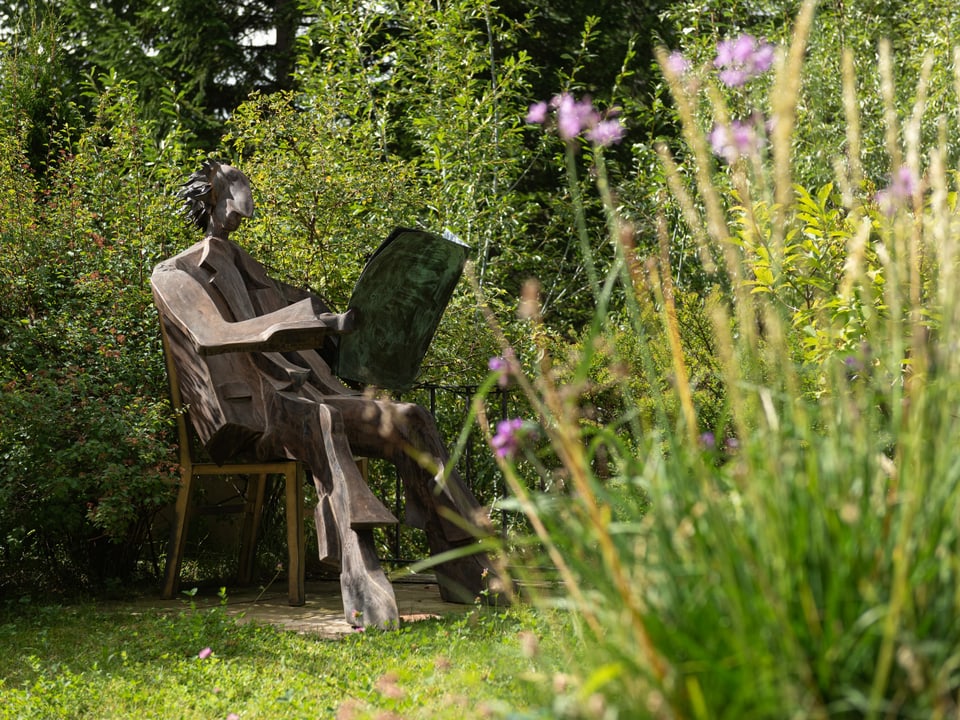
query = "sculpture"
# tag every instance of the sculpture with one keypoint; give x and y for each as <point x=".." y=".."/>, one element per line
<point x="254" y="355"/>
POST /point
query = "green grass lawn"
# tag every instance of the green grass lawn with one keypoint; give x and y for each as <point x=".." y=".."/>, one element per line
<point x="108" y="661"/>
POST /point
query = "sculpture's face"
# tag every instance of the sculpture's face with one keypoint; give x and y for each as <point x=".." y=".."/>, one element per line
<point x="231" y="197"/>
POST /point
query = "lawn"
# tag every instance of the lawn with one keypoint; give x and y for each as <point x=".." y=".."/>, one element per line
<point x="114" y="661"/>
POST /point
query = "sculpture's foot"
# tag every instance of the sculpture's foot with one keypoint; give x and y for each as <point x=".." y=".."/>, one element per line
<point x="368" y="598"/>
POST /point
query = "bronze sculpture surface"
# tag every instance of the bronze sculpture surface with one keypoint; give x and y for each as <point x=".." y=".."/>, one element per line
<point x="253" y="357"/>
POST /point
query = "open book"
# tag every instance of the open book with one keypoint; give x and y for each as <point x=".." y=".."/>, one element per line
<point x="399" y="300"/>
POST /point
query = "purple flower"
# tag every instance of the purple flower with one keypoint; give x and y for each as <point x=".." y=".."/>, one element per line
<point x="901" y="189"/>
<point x="205" y="653"/>
<point x="537" y="114"/>
<point x="904" y="183"/>
<point x="743" y="137"/>
<point x="733" y="77"/>
<point x="606" y="133"/>
<point x="677" y="63"/>
<point x="735" y="140"/>
<point x="507" y="439"/>
<point x="742" y="50"/>
<point x="763" y="57"/>
<point x="742" y="59"/>
<point x="719" y="139"/>
<point x="501" y="366"/>
<point x="574" y="116"/>
<point x="708" y="440"/>
<point x="497" y="364"/>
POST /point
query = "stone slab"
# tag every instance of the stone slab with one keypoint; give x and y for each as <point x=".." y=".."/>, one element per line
<point x="322" y="615"/>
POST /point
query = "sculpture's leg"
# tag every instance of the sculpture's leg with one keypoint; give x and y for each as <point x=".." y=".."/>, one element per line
<point x="368" y="597"/>
<point x="406" y="434"/>
<point x="469" y="577"/>
<point x="346" y="512"/>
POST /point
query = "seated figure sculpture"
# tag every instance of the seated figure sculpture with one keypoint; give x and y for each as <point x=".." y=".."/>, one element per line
<point x="251" y="354"/>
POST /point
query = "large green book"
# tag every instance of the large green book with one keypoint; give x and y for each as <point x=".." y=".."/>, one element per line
<point x="399" y="299"/>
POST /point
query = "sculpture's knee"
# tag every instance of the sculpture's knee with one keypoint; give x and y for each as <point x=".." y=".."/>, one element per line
<point x="329" y="418"/>
<point x="290" y="410"/>
<point x="417" y="419"/>
<point x="300" y="424"/>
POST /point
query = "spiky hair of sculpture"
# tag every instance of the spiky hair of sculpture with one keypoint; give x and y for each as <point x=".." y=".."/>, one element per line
<point x="195" y="194"/>
<point x="216" y="198"/>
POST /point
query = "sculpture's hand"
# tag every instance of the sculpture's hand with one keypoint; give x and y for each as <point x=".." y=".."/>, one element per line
<point x="296" y="327"/>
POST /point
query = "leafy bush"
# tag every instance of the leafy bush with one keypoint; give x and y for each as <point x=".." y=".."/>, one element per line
<point x="87" y="211"/>
<point x="85" y="447"/>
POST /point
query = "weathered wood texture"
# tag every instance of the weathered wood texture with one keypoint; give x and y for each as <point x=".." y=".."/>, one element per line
<point x="249" y="357"/>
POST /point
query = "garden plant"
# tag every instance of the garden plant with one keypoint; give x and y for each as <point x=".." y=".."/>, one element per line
<point x="721" y="301"/>
<point x="796" y="554"/>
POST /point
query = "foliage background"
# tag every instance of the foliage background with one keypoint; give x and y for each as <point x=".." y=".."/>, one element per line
<point x="369" y="116"/>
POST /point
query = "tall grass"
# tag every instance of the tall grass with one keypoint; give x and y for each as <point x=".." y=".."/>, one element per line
<point x="801" y="558"/>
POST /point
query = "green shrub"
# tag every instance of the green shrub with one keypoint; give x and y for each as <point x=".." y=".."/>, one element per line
<point x="85" y="442"/>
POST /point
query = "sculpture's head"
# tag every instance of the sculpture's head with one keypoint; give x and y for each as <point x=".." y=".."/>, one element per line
<point x="217" y="198"/>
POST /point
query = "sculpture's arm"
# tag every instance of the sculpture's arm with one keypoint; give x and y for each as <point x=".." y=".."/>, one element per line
<point x="185" y="304"/>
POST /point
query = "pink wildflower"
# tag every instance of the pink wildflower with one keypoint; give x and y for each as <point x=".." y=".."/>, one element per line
<point x="606" y="133"/>
<point x="501" y="366"/>
<point x="743" y="136"/>
<point x="537" y="114"/>
<point x="498" y="364"/>
<point x="507" y="439"/>
<point x="763" y="57"/>
<point x="677" y="63"/>
<point x="742" y="59"/>
<point x="718" y="137"/>
<point x="573" y="116"/>
<point x="735" y="140"/>
<point x="904" y="183"/>
<point x="205" y="653"/>
<point x="901" y="189"/>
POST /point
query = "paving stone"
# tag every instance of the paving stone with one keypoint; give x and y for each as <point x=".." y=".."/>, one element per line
<point x="418" y="598"/>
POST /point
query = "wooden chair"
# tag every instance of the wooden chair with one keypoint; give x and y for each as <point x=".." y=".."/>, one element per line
<point x="294" y="475"/>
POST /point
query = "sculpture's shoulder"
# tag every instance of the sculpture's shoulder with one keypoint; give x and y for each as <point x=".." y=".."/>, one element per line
<point x="184" y="260"/>
<point x="211" y="255"/>
<point x="250" y="266"/>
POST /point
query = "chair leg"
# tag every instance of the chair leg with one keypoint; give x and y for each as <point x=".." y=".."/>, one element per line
<point x="256" y="490"/>
<point x="294" y="479"/>
<point x="178" y="535"/>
